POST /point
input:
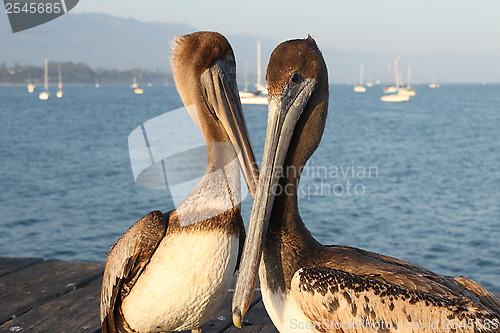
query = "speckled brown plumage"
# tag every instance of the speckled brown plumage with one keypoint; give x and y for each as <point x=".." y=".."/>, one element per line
<point x="342" y="294"/>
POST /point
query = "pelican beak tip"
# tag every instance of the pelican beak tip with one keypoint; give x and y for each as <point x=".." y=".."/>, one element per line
<point x="237" y="320"/>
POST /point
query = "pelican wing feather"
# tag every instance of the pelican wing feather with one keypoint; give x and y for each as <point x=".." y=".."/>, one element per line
<point x="127" y="260"/>
<point x="403" y="274"/>
<point x="335" y="300"/>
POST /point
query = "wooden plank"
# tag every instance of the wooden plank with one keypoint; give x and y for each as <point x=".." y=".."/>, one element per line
<point x="9" y="265"/>
<point x="76" y="311"/>
<point x="60" y="296"/>
<point x="39" y="283"/>
<point x="224" y="318"/>
<point x="256" y="320"/>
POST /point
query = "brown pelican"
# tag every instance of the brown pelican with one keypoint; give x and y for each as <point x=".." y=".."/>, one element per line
<point x="307" y="286"/>
<point x="170" y="271"/>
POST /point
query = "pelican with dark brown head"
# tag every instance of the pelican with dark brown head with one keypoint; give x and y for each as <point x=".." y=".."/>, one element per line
<point x="170" y="271"/>
<point x="307" y="286"/>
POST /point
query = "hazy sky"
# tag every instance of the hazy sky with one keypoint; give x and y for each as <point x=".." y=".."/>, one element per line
<point x="384" y="26"/>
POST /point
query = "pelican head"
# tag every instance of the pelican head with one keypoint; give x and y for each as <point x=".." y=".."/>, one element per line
<point x="204" y="70"/>
<point x="298" y="102"/>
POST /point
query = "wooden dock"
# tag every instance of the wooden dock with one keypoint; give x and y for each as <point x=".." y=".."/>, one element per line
<point x="63" y="296"/>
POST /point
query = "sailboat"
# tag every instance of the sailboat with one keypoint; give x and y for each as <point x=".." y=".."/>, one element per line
<point x="31" y="86"/>
<point x="260" y="95"/>
<point x="97" y="84"/>
<point x="44" y="95"/>
<point x="360" y="87"/>
<point x="434" y="84"/>
<point x="396" y="96"/>
<point x="134" y="83"/>
<point x="137" y="90"/>
<point x="59" y="85"/>
<point x="408" y="89"/>
<point x="245" y="93"/>
<point x="390" y="89"/>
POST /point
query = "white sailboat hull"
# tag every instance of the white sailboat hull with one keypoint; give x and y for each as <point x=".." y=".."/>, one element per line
<point x="246" y="94"/>
<point x="407" y="92"/>
<point x="395" y="98"/>
<point x="261" y="88"/>
<point x="391" y="89"/>
<point x="256" y="99"/>
<point x="260" y="95"/>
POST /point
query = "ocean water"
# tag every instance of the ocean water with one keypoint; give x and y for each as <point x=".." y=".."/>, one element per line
<point x="419" y="181"/>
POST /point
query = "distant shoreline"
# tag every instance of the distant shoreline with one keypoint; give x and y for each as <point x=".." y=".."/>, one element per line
<point x="40" y="84"/>
<point x="79" y="73"/>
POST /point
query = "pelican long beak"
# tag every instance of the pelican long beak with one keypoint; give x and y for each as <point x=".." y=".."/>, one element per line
<point x="284" y="112"/>
<point x="224" y="101"/>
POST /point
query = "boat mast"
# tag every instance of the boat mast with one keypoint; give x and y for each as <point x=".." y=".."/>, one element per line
<point x="389" y="70"/>
<point x="400" y="76"/>
<point x="59" y="85"/>
<point x="397" y="73"/>
<point x="46" y="76"/>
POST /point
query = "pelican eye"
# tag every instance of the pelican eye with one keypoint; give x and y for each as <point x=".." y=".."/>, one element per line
<point x="296" y="78"/>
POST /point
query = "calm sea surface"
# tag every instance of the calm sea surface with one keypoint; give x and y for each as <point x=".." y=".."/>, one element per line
<point x="419" y="180"/>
